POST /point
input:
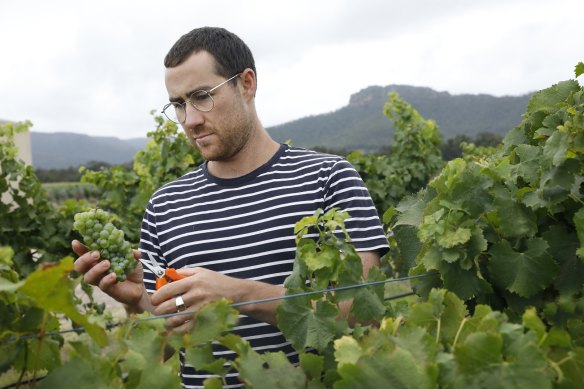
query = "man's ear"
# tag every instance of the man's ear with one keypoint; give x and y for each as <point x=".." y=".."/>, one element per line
<point x="248" y="83"/>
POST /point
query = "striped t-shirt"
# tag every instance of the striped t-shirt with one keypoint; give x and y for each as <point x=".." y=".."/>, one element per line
<point x="244" y="228"/>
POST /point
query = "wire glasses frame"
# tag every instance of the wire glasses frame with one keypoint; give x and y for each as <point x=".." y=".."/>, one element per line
<point x="199" y="99"/>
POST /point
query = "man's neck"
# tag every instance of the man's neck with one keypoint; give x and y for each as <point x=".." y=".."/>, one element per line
<point x="253" y="155"/>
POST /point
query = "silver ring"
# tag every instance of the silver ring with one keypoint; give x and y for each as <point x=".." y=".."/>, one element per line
<point x="180" y="304"/>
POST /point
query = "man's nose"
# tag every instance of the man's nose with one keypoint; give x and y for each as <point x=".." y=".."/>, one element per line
<point x="194" y="117"/>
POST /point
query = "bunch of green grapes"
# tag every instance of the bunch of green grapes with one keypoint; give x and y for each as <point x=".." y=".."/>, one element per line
<point x="99" y="234"/>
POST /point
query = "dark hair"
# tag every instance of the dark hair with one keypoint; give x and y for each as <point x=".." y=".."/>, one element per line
<point x="231" y="54"/>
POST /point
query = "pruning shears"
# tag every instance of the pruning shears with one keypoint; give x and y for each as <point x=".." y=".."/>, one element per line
<point x="163" y="276"/>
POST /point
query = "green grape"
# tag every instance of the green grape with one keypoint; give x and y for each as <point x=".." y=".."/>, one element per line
<point x="99" y="234"/>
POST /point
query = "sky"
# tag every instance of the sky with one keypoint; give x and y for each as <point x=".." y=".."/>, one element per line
<point x="96" y="67"/>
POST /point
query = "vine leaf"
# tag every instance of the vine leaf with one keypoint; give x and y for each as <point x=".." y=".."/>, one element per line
<point x="51" y="289"/>
<point x="77" y="373"/>
<point x="266" y="371"/>
<point x="579" y="69"/>
<point x="488" y="359"/>
<point x="305" y="327"/>
<point x="524" y="273"/>
<point x="579" y="223"/>
<point x="392" y="365"/>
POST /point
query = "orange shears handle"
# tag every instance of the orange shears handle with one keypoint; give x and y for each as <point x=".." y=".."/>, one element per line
<point x="170" y="274"/>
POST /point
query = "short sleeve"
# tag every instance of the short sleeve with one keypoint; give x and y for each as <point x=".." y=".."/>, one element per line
<point x="346" y="190"/>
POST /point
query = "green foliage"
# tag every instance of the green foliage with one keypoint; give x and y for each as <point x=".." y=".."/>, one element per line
<point x="505" y="228"/>
<point x="325" y="259"/>
<point x="167" y="156"/>
<point x="502" y="231"/>
<point x="414" y="160"/>
<point x="57" y="192"/>
<point x="36" y="230"/>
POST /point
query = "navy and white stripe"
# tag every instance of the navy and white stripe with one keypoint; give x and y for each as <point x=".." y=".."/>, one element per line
<point x="244" y="227"/>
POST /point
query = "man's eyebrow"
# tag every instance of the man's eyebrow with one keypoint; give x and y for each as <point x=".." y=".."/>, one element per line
<point x="188" y="94"/>
<point x="175" y="99"/>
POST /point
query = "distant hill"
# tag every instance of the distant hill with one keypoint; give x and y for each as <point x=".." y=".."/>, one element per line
<point x="362" y="125"/>
<point x="359" y="125"/>
<point x="64" y="149"/>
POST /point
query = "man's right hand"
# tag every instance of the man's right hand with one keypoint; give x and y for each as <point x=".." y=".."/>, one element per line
<point x="95" y="272"/>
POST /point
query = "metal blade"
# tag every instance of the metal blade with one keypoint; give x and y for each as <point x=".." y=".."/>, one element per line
<point x="153" y="266"/>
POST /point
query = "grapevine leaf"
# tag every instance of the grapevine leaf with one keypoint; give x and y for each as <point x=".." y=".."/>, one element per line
<point x="347" y="350"/>
<point x="367" y="305"/>
<point x="159" y="376"/>
<point x="393" y="368"/>
<point x="556" y="148"/>
<point x="324" y="258"/>
<point x="578" y="71"/>
<point x="7" y="286"/>
<point x="409" y="246"/>
<point x="147" y="342"/>
<point x="212" y="321"/>
<point x="564" y="244"/>
<point x="312" y="364"/>
<point x="579" y="224"/>
<point x="305" y="327"/>
<point x="573" y="368"/>
<point x="213" y="383"/>
<point x="529" y="163"/>
<point x="411" y="211"/>
<point x="532" y="321"/>
<point x="453" y="316"/>
<point x="514" y="218"/>
<point x="422" y="286"/>
<point x="45" y="355"/>
<point x="453" y="238"/>
<point x="51" y="289"/>
<point x="201" y="358"/>
<point x="509" y="357"/>
<point x="268" y="371"/>
<point x="465" y="283"/>
<point x="546" y="99"/>
<point x="418" y="342"/>
<point x="77" y="373"/>
<point x="524" y="273"/>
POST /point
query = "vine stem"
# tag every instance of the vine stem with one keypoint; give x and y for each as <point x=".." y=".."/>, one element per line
<point x="41" y="338"/>
<point x="464" y="320"/>
<point x="23" y="366"/>
<point x="438" y="329"/>
<point x="556" y="367"/>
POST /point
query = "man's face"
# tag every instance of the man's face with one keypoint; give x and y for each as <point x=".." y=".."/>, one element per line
<point x="222" y="132"/>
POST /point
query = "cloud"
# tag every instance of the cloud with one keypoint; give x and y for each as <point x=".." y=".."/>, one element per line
<point x="97" y="68"/>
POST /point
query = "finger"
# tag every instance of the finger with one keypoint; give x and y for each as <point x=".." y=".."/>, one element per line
<point x="189" y="271"/>
<point x="86" y="261"/>
<point x="95" y="274"/>
<point x="169" y="305"/>
<point x="78" y="247"/>
<point x="137" y="254"/>
<point x="180" y="323"/>
<point x="107" y="282"/>
<point x="169" y="292"/>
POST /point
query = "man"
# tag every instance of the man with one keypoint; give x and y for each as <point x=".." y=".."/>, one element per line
<point x="229" y="224"/>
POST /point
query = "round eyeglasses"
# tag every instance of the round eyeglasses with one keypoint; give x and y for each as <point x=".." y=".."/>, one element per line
<point x="199" y="99"/>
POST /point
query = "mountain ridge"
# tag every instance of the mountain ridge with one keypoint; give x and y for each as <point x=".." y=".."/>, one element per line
<point x="360" y="124"/>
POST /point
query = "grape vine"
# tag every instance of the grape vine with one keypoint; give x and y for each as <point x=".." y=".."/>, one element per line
<point x="501" y="231"/>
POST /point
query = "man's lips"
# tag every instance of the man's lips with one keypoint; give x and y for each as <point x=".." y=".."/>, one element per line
<point x="202" y="139"/>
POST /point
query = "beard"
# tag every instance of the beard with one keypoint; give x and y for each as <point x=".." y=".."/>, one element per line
<point x="222" y="144"/>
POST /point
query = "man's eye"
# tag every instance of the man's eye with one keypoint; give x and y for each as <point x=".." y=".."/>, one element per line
<point x="200" y="96"/>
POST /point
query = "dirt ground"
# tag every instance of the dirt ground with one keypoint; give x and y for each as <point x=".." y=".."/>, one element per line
<point x="116" y="309"/>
